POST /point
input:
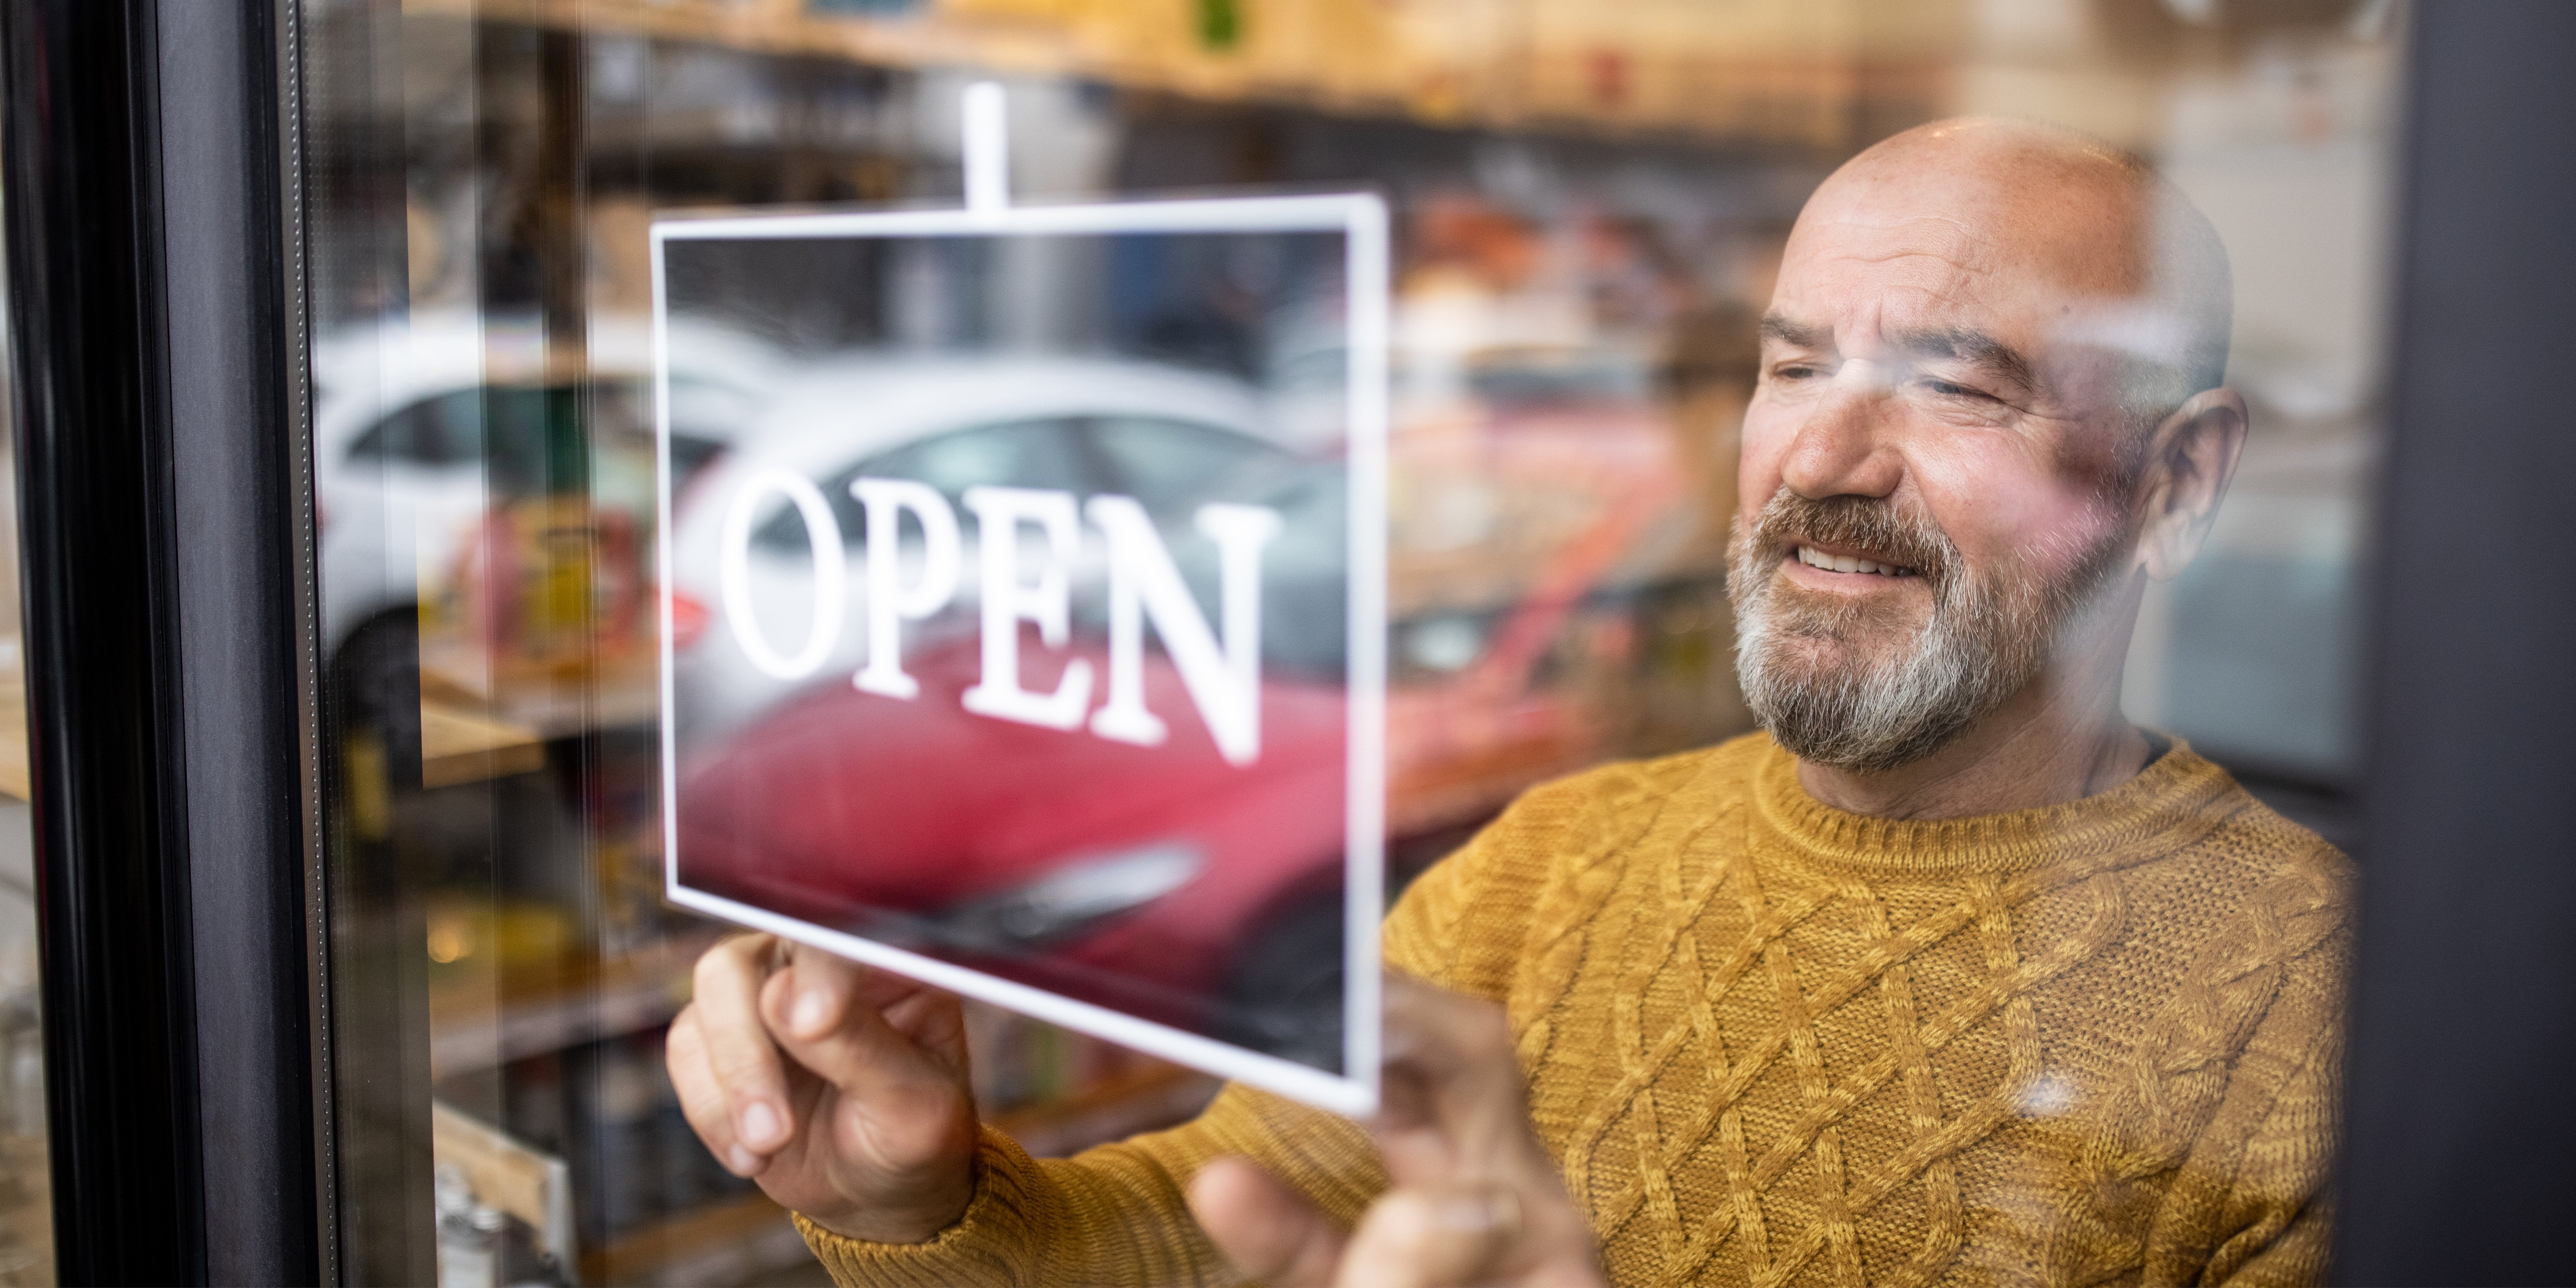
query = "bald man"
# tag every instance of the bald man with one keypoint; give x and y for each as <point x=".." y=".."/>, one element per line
<point x="1951" y="975"/>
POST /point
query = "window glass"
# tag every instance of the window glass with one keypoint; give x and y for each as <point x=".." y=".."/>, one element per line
<point x="528" y="437"/>
<point x="1165" y="462"/>
<point x="26" y="1178"/>
<point x="1029" y="453"/>
<point x="1021" y="454"/>
<point x="1616" y="338"/>
<point x="441" y="432"/>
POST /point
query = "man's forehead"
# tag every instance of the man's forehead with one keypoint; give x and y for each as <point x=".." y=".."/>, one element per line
<point x="1885" y="270"/>
<point x="1917" y="273"/>
<point x="1864" y="237"/>
<point x="2044" y="244"/>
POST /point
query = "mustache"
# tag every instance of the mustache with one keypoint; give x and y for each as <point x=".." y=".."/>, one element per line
<point x="1888" y="534"/>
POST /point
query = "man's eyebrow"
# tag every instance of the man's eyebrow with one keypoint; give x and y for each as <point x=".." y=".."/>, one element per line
<point x="1800" y="334"/>
<point x="1972" y="346"/>
<point x="1964" y="343"/>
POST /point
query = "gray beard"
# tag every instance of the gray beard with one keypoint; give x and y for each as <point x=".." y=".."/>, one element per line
<point x="1988" y="638"/>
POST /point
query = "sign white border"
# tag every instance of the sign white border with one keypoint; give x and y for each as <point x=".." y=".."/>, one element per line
<point x="1362" y="219"/>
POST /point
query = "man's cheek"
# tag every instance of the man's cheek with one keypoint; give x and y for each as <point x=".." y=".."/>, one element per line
<point x="1998" y="514"/>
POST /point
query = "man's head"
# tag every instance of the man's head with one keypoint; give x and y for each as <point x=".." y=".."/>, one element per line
<point x="1988" y="408"/>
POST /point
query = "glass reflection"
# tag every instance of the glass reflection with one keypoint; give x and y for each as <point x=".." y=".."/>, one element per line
<point x="1591" y="204"/>
<point x="1176" y="854"/>
<point x="26" y="1179"/>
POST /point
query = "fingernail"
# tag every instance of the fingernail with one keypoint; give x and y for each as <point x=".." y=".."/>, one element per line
<point x="812" y="1015"/>
<point x="759" y="1123"/>
<point x="742" y="1162"/>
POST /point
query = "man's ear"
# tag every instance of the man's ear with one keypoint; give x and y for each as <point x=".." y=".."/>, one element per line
<point x="2188" y="461"/>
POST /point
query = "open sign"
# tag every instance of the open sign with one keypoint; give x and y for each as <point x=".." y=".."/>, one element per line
<point x="1221" y="673"/>
<point x="1043" y="618"/>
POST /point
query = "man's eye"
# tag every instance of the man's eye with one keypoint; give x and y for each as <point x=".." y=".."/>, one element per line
<point x="1794" y="371"/>
<point x="1949" y="390"/>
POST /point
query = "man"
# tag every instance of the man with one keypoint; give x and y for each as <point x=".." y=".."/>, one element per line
<point x="1950" y="976"/>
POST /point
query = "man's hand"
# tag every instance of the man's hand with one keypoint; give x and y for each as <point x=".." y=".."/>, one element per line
<point x="842" y="1090"/>
<point x="1476" y="1200"/>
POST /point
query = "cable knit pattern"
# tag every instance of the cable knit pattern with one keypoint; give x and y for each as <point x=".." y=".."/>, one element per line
<point x="1770" y="1042"/>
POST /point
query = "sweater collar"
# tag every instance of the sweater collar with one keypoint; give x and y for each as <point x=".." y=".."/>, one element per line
<point x="2172" y="802"/>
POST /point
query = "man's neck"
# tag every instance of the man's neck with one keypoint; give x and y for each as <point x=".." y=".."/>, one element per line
<point x="2041" y="747"/>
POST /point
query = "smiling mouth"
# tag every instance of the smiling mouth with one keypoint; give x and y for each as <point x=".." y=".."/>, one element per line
<point x="1818" y="559"/>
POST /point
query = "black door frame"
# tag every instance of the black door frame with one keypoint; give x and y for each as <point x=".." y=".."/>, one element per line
<point x="166" y="532"/>
<point x="2461" y="1120"/>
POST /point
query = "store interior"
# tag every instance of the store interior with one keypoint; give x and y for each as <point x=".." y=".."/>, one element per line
<point x="1589" y="201"/>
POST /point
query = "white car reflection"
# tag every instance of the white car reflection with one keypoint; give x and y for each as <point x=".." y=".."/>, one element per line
<point x="1158" y="433"/>
<point x="424" y="426"/>
<point x="418" y="424"/>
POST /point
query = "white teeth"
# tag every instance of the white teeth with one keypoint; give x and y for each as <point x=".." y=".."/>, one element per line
<point x="1846" y="563"/>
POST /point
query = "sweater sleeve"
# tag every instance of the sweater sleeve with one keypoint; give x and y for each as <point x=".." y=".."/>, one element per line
<point x="1116" y="1214"/>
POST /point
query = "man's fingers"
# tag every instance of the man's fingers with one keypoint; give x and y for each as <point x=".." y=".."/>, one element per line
<point x="1451" y="1105"/>
<point x="702" y="1101"/>
<point x="860" y="1054"/>
<point x="932" y="1020"/>
<point x="1270" y="1232"/>
<point x="828" y="988"/>
<point x="740" y="1056"/>
<point x="883" y="988"/>
<point x="822" y="987"/>
<point x="1441" y="1237"/>
<point x="1453" y="1052"/>
<point x="1478" y="1199"/>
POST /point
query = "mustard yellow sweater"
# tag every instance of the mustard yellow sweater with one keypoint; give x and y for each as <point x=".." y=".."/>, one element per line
<point x="1770" y="1042"/>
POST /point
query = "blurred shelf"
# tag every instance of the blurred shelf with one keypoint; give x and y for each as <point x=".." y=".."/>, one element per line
<point x="1148" y="1099"/>
<point x="535" y="703"/>
<point x="750" y="1239"/>
<point x="508" y="1174"/>
<point x="26" y="1212"/>
<point x="742" y="1240"/>
<point x="477" y="1023"/>
<point x="460" y="746"/>
<point x="1710" y="73"/>
<point x="14" y="778"/>
<point x="570" y="712"/>
<point x="457" y="744"/>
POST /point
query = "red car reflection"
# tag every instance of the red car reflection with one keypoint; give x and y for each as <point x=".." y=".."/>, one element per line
<point x="1128" y="876"/>
<point x="1162" y="882"/>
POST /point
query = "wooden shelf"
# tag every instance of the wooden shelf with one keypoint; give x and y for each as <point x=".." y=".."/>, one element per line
<point x="622" y="691"/>
<point x="742" y="1240"/>
<point x="1755" y="76"/>
<point x="1147" y="1099"/>
<point x="457" y="745"/>
<point x="14" y="778"/>
<point x="26" y="1212"/>
<point x="461" y="746"/>
<point x="531" y="1185"/>
<point x="474" y="1026"/>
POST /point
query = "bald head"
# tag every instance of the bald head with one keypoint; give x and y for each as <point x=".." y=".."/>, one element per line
<point x="1987" y="415"/>
<point x="2060" y="237"/>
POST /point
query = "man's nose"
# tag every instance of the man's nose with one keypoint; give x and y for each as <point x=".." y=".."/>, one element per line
<point x="1844" y="447"/>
